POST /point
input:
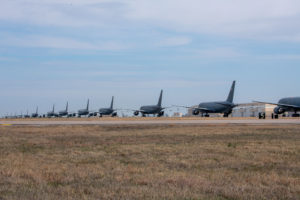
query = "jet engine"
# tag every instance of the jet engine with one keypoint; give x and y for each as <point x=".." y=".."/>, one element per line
<point x="161" y="113"/>
<point x="278" y="110"/>
<point x="136" y="113"/>
<point x="114" y="114"/>
<point x="196" y="112"/>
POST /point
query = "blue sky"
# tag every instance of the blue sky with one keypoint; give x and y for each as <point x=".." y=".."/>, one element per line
<point x="52" y="51"/>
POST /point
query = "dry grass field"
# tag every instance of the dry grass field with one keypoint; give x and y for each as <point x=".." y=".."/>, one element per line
<point x="150" y="162"/>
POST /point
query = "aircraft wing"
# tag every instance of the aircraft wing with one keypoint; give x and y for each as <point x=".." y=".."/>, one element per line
<point x="163" y="108"/>
<point x="203" y="109"/>
<point x="133" y="110"/>
<point x="196" y="108"/>
<point x="226" y="104"/>
<point x="280" y="104"/>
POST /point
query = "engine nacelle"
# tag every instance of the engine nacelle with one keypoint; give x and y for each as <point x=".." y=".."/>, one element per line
<point x="278" y="110"/>
<point x="196" y="112"/>
<point x="136" y="113"/>
<point x="161" y="113"/>
<point x="114" y="114"/>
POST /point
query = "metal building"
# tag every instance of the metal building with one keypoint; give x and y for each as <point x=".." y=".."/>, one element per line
<point x="252" y="110"/>
<point x="244" y="110"/>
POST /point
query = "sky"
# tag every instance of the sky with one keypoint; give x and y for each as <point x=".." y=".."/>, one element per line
<point x="53" y="51"/>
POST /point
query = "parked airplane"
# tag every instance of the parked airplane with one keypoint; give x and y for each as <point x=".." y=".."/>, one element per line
<point x="108" y="111"/>
<point x="224" y="107"/>
<point x="35" y="115"/>
<point x="19" y="116"/>
<point x="52" y="113"/>
<point x="27" y="115"/>
<point x="86" y="111"/>
<point x="152" y="109"/>
<point x="65" y="112"/>
<point x="290" y="104"/>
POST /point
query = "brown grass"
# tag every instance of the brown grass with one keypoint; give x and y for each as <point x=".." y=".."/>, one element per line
<point x="150" y="162"/>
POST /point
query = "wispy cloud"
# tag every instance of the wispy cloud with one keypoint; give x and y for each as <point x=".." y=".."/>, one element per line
<point x="218" y="52"/>
<point x="249" y="18"/>
<point x="277" y="19"/>
<point x="42" y="41"/>
<point x="175" y="41"/>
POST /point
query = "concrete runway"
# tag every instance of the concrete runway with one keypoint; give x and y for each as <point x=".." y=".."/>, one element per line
<point x="151" y="121"/>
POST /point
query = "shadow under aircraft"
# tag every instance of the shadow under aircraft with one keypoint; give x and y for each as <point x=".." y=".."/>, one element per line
<point x="108" y="111"/>
<point x="224" y="107"/>
<point x="289" y="104"/>
<point x="152" y="109"/>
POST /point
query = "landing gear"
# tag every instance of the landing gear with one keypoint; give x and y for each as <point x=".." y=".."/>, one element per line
<point x="295" y="115"/>
<point x="100" y="115"/>
<point x="161" y="113"/>
<point x="143" y="115"/>
<point x="261" y="115"/>
<point x="206" y="115"/>
<point x="225" y="115"/>
<point x="274" y="116"/>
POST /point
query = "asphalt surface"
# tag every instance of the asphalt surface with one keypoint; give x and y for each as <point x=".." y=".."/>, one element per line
<point x="137" y="122"/>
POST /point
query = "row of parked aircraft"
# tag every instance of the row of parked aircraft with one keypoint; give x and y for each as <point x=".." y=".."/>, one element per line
<point x="291" y="104"/>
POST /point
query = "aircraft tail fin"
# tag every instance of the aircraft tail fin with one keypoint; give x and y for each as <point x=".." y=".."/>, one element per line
<point x="112" y="103"/>
<point x="37" y="110"/>
<point x="67" y="106"/>
<point x="160" y="98"/>
<point x="231" y="93"/>
<point x="53" y="108"/>
<point x="88" y="103"/>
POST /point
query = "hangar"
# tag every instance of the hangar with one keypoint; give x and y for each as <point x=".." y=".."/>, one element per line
<point x="244" y="110"/>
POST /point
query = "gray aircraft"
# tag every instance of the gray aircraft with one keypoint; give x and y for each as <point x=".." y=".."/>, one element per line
<point x="86" y="111"/>
<point x="224" y="107"/>
<point x="65" y="112"/>
<point x="52" y="113"/>
<point x="108" y="111"/>
<point x="26" y="115"/>
<point x="152" y="109"/>
<point x="289" y="104"/>
<point x="35" y="115"/>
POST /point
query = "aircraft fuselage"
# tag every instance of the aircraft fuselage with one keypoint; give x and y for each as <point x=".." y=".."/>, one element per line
<point x="294" y="101"/>
<point x="106" y="111"/>
<point x="51" y="114"/>
<point x="216" y="107"/>
<point x="83" y="112"/>
<point x="63" y="113"/>
<point x="152" y="109"/>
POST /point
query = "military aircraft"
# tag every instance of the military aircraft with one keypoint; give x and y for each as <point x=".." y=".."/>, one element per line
<point x="65" y="112"/>
<point x="26" y="115"/>
<point x="35" y="115"/>
<point x="224" y="107"/>
<point x="86" y="111"/>
<point x="52" y="113"/>
<point x="152" y="109"/>
<point x="108" y="111"/>
<point x="289" y="104"/>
